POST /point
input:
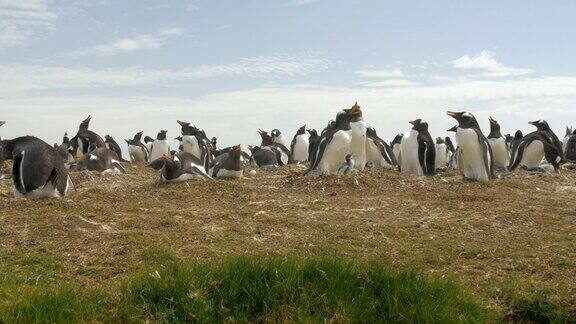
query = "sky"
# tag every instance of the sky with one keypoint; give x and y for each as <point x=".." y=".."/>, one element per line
<point x="233" y="66"/>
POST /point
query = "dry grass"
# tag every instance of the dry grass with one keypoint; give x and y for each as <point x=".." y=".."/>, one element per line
<point x="519" y="231"/>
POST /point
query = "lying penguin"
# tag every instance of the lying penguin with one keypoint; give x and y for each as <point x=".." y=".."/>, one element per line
<point x="181" y="166"/>
<point x="531" y="149"/>
<point x="37" y="171"/>
<point x="102" y="160"/>
<point x="281" y="151"/>
<point x="263" y="158"/>
<point x="113" y="146"/>
<point x="228" y="165"/>
<point x="348" y="166"/>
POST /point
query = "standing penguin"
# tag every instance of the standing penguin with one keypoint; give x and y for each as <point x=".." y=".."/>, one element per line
<point x="181" y="166"/>
<point x="160" y="146"/>
<point x="102" y="159"/>
<point x="228" y="165"/>
<point x="569" y="133"/>
<point x="443" y="154"/>
<point x="37" y="171"/>
<point x="358" y="141"/>
<point x="417" y="151"/>
<point x="137" y="150"/>
<point x="378" y="153"/>
<point x="113" y="146"/>
<point x="299" y="146"/>
<point x="85" y="140"/>
<point x="313" y="144"/>
<point x="279" y="138"/>
<point x="195" y="142"/>
<point x="570" y="148"/>
<point x="530" y="150"/>
<point x="396" y="146"/>
<point x="333" y="145"/>
<point x="453" y="163"/>
<point x="498" y="144"/>
<point x="474" y="152"/>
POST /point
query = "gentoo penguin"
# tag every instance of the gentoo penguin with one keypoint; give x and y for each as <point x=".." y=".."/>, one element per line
<point x="300" y="145"/>
<point x="417" y="151"/>
<point x="532" y="148"/>
<point x="358" y="142"/>
<point x="313" y="144"/>
<point x="37" y="171"/>
<point x="85" y="140"/>
<point x="181" y="166"/>
<point x="475" y="157"/>
<point x="228" y="165"/>
<point x="453" y="163"/>
<point x="395" y="144"/>
<point x="333" y="145"/>
<point x="569" y="133"/>
<point x="195" y="142"/>
<point x="281" y="151"/>
<point x="214" y="143"/>
<point x="148" y="141"/>
<point x="180" y="145"/>
<point x="570" y="148"/>
<point x="263" y="158"/>
<point x="542" y="126"/>
<point x="449" y="145"/>
<point x="102" y="159"/>
<point x="160" y="146"/>
<point x="113" y="146"/>
<point x="348" y="166"/>
<point x="509" y="139"/>
<point x="378" y="153"/>
<point x="279" y="138"/>
<point x="137" y="150"/>
<point x="497" y="142"/>
<point x="443" y="154"/>
<point x="63" y="150"/>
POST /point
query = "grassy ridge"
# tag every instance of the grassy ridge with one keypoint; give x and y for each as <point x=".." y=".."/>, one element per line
<point x="246" y="289"/>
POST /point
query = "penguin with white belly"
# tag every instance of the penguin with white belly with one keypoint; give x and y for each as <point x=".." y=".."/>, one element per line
<point x="102" y="159"/>
<point x="181" y="166"/>
<point x="498" y="144"/>
<point x="137" y="150"/>
<point x="475" y="158"/>
<point x="333" y="146"/>
<point x="148" y="141"/>
<point x="228" y="165"/>
<point x="278" y="137"/>
<point x="299" y="146"/>
<point x="378" y="153"/>
<point x="37" y="171"/>
<point x="348" y="166"/>
<point x="453" y="162"/>
<point x="160" y="146"/>
<point x="443" y="154"/>
<point x="417" y="151"/>
<point x="195" y="142"/>
<point x="530" y="150"/>
<point x="358" y="141"/>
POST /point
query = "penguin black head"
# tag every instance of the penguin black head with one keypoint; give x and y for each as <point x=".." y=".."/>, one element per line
<point x="349" y="159"/>
<point x="508" y="138"/>
<point x="301" y="130"/>
<point x="312" y="132"/>
<point x="371" y="132"/>
<point x="419" y="125"/>
<point x="179" y="138"/>
<point x="541" y="124"/>
<point x="253" y="148"/>
<point x="439" y="140"/>
<point x="65" y="139"/>
<point x="108" y="138"/>
<point x="494" y="128"/>
<point x="148" y="139"/>
<point x="354" y="113"/>
<point x="397" y="139"/>
<point x="275" y="133"/>
<point x="138" y="137"/>
<point x="453" y="129"/>
<point x="518" y="135"/>
<point x="464" y="119"/>
<point x="161" y="135"/>
<point x="568" y="130"/>
<point x="85" y="123"/>
<point x="214" y="141"/>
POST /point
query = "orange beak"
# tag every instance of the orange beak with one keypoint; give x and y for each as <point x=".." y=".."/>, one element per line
<point x="452" y="114"/>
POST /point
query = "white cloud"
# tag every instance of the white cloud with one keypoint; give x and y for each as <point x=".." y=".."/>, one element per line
<point x="130" y="44"/>
<point x="486" y="61"/>
<point x="21" y="20"/>
<point x="392" y="83"/>
<point x="392" y="73"/>
<point x="18" y="78"/>
<point x="299" y="3"/>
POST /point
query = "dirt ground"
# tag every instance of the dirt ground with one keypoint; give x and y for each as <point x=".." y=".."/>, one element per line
<point x="520" y="229"/>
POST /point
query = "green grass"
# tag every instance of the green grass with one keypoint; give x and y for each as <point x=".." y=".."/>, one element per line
<point x="536" y="307"/>
<point x="254" y="290"/>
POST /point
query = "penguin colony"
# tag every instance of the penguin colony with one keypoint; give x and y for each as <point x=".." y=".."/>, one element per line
<point x="346" y="145"/>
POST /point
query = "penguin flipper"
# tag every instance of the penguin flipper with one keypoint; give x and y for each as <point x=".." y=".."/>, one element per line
<point x="157" y="164"/>
<point x="118" y="166"/>
<point x="199" y="171"/>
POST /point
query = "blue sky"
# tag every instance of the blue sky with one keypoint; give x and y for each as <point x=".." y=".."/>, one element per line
<point x="231" y="67"/>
